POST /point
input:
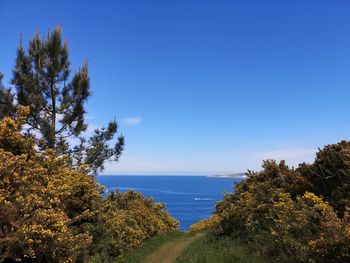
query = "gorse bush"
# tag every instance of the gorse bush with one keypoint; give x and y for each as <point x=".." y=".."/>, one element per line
<point x="48" y="202"/>
<point x="50" y="212"/>
<point x="329" y="175"/>
<point x="289" y="214"/>
<point x="205" y="224"/>
<point x="51" y="209"/>
<point x="128" y="219"/>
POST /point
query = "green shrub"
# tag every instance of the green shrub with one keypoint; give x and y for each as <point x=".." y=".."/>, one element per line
<point x="329" y="175"/>
<point x="273" y="212"/>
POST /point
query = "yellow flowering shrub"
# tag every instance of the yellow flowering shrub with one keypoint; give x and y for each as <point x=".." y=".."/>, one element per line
<point x="131" y="218"/>
<point x="329" y="175"/>
<point x="282" y="223"/>
<point x="150" y="215"/>
<point x="205" y="224"/>
<point x="52" y="212"/>
<point x="46" y="200"/>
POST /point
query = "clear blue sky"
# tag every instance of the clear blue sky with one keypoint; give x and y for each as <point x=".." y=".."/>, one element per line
<point x="203" y="87"/>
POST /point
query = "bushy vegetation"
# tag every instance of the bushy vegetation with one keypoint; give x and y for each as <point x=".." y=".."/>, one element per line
<point x="50" y="212"/>
<point x="51" y="209"/>
<point x="126" y="220"/>
<point x="293" y="215"/>
<point x="205" y="224"/>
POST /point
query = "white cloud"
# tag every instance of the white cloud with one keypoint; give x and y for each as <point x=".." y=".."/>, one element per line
<point x="131" y="121"/>
<point x="92" y="127"/>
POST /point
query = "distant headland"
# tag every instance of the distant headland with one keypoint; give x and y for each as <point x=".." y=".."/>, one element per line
<point x="236" y="175"/>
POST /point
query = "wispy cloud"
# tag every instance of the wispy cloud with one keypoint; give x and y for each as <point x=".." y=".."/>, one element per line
<point x="131" y="121"/>
<point x="92" y="127"/>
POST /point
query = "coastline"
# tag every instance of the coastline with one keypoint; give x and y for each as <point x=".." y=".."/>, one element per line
<point x="237" y="176"/>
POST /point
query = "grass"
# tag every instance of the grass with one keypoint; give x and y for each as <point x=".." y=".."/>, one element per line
<point x="149" y="246"/>
<point x="212" y="249"/>
<point x="207" y="249"/>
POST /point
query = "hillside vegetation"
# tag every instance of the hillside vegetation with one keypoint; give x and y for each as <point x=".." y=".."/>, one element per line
<point x="293" y="214"/>
<point x="50" y="212"/>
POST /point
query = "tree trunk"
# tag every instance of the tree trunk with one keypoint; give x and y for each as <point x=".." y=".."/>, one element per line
<point x="53" y="118"/>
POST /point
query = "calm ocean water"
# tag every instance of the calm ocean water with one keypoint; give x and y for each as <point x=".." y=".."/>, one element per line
<point x="187" y="198"/>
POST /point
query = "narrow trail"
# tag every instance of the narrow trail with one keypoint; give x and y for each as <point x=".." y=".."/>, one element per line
<point x="169" y="251"/>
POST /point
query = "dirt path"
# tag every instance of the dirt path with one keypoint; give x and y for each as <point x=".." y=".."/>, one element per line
<point x="169" y="251"/>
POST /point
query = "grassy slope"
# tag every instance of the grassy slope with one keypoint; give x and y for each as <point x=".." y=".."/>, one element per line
<point x="149" y="246"/>
<point x="207" y="249"/>
<point x="212" y="249"/>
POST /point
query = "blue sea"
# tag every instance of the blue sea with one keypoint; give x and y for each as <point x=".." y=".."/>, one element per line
<point x="187" y="198"/>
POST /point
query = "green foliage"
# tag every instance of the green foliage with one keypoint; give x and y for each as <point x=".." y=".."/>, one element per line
<point x="50" y="212"/>
<point x="211" y="248"/>
<point x="42" y="82"/>
<point x="329" y="175"/>
<point x="275" y="211"/>
<point x="6" y="100"/>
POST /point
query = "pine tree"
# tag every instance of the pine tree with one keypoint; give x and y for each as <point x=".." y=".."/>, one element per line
<point x="41" y="79"/>
<point x="6" y="100"/>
